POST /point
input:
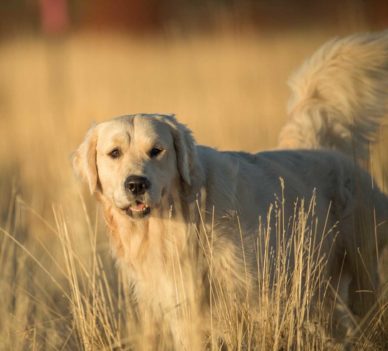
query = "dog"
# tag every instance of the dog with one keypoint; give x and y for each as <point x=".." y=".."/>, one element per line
<point x="179" y="213"/>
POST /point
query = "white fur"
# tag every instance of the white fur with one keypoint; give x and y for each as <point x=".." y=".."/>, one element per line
<point x="205" y="204"/>
<point x="339" y="96"/>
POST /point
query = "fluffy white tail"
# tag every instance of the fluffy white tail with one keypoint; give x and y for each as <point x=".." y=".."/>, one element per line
<point x="339" y="96"/>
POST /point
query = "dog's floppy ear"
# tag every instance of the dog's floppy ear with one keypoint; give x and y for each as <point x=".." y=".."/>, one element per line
<point x="84" y="159"/>
<point x="185" y="147"/>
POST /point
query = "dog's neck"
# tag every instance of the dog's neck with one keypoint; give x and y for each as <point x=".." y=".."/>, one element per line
<point x="155" y="237"/>
<point x="159" y="253"/>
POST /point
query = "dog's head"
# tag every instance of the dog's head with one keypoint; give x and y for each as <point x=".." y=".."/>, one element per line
<point x="135" y="160"/>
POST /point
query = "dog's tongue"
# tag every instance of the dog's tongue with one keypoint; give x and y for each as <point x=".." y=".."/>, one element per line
<point x="139" y="206"/>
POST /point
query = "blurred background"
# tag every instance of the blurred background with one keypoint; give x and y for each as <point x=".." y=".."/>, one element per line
<point x="220" y="65"/>
<point x="152" y="16"/>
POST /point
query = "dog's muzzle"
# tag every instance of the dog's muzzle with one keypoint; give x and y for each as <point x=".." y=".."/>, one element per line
<point x="136" y="186"/>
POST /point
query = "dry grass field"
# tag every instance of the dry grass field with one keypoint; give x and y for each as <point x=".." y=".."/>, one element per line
<point x="60" y="289"/>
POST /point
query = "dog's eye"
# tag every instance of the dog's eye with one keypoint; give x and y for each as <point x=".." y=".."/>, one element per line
<point x="155" y="151"/>
<point x="115" y="153"/>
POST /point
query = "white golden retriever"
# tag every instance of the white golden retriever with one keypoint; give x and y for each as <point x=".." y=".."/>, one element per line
<point x="158" y="187"/>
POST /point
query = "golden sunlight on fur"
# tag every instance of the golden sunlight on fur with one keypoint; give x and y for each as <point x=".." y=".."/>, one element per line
<point x="190" y="224"/>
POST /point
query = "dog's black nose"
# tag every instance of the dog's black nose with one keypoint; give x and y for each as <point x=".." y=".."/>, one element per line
<point x="137" y="185"/>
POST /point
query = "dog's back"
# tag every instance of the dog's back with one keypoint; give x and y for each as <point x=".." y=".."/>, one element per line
<point x="339" y="98"/>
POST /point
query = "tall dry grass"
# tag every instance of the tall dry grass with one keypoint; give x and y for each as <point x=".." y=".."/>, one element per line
<point x="59" y="286"/>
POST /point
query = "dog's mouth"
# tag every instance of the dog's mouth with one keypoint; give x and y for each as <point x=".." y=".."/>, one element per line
<point x="138" y="209"/>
